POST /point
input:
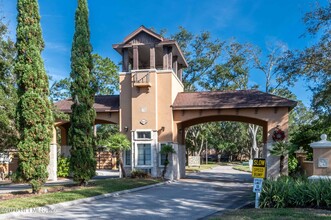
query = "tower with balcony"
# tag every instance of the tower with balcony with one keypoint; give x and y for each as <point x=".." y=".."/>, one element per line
<point x="150" y="80"/>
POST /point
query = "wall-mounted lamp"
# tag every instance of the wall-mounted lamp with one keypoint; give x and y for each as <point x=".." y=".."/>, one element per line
<point x="126" y="128"/>
<point x="180" y="130"/>
<point x="162" y="128"/>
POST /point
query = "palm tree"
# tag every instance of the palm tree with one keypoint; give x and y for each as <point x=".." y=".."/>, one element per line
<point x="281" y="149"/>
<point x="167" y="150"/>
<point x="119" y="143"/>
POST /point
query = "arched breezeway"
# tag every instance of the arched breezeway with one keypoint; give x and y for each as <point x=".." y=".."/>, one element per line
<point x="189" y="111"/>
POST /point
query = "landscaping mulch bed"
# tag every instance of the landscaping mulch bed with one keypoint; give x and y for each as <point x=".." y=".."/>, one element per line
<point x="45" y="190"/>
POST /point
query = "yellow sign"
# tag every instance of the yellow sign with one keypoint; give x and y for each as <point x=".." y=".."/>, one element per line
<point x="259" y="167"/>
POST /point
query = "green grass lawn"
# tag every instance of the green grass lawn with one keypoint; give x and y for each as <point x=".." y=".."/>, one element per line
<point x="242" y="168"/>
<point x="275" y="214"/>
<point x="96" y="188"/>
<point x="202" y="167"/>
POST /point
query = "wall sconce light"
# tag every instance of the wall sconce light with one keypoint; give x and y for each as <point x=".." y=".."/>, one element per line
<point x="162" y="128"/>
<point x="180" y="130"/>
<point x="126" y="128"/>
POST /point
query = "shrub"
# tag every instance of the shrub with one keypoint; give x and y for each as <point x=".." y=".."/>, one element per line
<point x="17" y="178"/>
<point x="63" y="166"/>
<point x="301" y="192"/>
<point x="292" y="165"/>
<point x="139" y="174"/>
<point x="275" y="193"/>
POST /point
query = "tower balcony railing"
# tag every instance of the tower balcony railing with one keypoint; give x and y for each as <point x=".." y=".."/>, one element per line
<point x="141" y="78"/>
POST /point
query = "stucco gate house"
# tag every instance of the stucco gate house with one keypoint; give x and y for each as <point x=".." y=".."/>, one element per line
<point x="152" y="108"/>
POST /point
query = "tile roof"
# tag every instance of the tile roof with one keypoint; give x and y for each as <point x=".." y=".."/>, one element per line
<point x="229" y="99"/>
<point x="103" y="103"/>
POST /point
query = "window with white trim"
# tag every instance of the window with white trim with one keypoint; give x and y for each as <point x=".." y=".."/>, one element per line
<point x="144" y="135"/>
<point x="127" y="157"/>
<point x="144" y="154"/>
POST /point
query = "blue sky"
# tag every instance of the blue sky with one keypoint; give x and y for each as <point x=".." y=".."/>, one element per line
<point x="256" y="21"/>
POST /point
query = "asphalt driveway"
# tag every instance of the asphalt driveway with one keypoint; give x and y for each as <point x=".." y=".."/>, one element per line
<point x="195" y="197"/>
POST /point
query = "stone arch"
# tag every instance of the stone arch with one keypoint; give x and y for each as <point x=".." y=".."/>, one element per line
<point x="268" y="118"/>
<point x="215" y="118"/>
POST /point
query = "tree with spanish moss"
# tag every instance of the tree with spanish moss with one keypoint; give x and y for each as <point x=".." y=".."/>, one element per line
<point x="83" y="88"/>
<point x="34" y="115"/>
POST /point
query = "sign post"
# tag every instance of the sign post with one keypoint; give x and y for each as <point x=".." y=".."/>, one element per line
<point x="258" y="172"/>
<point x="257" y="188"/>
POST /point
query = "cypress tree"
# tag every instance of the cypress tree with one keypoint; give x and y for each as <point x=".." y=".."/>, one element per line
<point x="83" y="88"/>
<point x="34" y="115"/>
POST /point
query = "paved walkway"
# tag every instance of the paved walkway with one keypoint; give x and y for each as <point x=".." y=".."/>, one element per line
<point x="196" y="197"/>
<point x="101" y="174"/>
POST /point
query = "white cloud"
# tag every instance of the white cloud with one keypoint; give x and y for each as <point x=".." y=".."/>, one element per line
<point x="57" y="47"/>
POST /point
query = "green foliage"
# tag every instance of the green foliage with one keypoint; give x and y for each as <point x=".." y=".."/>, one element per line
<point x="119" y="143"/>
<point x="83" y="88"/>
<point x="8" y="93"/>
<point x="139" y="174"/>
<point x="289" y="192"/>
<point x="292" y="165"/>
<point x="166" y="150"/>
<point x="313" y="63"/>
<point x="232" y="73"/>
<point x="280" y="148"/>
<point x="311" y="132"/>
<point x="106" y="79"/>
<point x="106" y="74"/>
<point x="60" y="90"/>
<point x="63" y="166"/>
<point x="16" y="177"/>
<point x="201" y="52"/>
<point x="105" y="131"/>
<point x="34" y="115"/>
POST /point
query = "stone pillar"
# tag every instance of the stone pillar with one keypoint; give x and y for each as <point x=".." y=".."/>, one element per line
<point x="322" y="157"/>
<point x="175" y="65"/>
<point x="52" y="166"/>
<point x="273" y="162"/>
<point x="135" y="57"/>
<point x="301" y="155"/>
<point x="169" y="58"/>
<point x="180" y="74"/>
<point x="152" y="57"/>
<point x="125" y="60"/>
<point x="165" y="58"/>
<point x="95" y="130"/>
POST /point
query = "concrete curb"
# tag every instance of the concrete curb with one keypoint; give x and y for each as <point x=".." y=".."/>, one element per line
<point x="220" y="212"/>
<point x="54" y="207"/>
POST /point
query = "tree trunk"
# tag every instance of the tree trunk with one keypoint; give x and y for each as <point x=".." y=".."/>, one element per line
<point x="120" y="161"/>
<point x="281" y="164"/>
<point x="165" y="166"/>
<point x="253" y="131"/>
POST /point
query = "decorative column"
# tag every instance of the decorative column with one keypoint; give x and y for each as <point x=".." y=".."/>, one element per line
<point x="165" y="57"/>
<point x="95" y="130"/>
<point x="322" y="158"/>
<point x="135" y="57"/>
<point x="125" y="60"/>
<point x="175" y="65"/>
<point x="52" y="166"/>
<point x="152" y="57"/>
<point x="169" y="58"/>
<point x="180" y="73"/>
